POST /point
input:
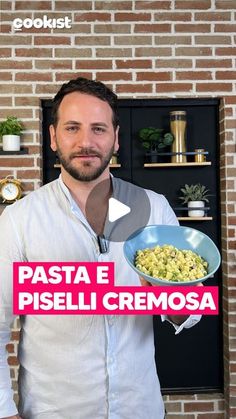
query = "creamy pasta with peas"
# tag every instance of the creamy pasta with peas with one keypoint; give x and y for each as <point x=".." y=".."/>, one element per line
<point x="171" y="264"/>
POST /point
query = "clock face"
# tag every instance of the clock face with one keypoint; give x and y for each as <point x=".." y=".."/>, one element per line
<point x="9" y="191"/>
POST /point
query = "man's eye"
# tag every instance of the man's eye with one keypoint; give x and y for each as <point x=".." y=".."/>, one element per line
<point x="99" y="130"/>
<point x="72" y="129"/>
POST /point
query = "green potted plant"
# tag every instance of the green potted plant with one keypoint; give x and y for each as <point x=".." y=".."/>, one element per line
<point x="195" y="196"/>
<point x="154" y="141"/>
<point x="10" y="131"/>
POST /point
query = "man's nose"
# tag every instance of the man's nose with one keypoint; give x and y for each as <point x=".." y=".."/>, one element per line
<point x="84" y="138"/>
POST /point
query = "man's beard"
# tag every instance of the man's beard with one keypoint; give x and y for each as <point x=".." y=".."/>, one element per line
<point x="80" y="173"/>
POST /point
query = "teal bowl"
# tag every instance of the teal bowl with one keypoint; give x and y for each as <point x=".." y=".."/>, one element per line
<point x="181" y="237"/>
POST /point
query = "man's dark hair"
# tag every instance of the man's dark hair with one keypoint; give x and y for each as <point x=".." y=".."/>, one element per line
<point x="90" y="87"/>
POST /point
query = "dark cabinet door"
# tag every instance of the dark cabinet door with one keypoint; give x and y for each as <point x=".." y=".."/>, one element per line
<point x="192" y="360"/>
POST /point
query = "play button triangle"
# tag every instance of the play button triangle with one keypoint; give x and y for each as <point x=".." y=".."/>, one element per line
<point x="116" y="210"/>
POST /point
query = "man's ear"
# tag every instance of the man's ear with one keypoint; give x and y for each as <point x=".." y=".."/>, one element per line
<point x="116" y="145"/>
<point x="53" y="143"/>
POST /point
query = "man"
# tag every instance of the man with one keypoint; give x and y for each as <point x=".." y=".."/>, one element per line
<point x="79" y="367"/>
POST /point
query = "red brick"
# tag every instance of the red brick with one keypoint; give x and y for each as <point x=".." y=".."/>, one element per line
<point x="112" y="28"/>
<point x="27" y="101"/>
<point x="16" y="162"/>
<point x="113" y="52"/>
<point x="225" y="75"/>
<point x="173" y="87"/>
<point x="132" y="17"/>
<point x="5" y="77"/>
<point x="16" y="65"/>
<point x="92" y="17"/>
<point x="133" y="40"/>
<point x="213" y="39"/>
<point x="5" y="173"/>
<point x="6" y="101"/>
<point x="53" y="40"/>
<point x="146" y="64"/>
<point x="33" y="52"/>
<point x="152" y="52"/>
<point x="154" y="76"/>
<point x="152" y="28"/>
<point x="93" y="64"/>
<point x="155" y="5"/>
<point x="77" y="28"/>
<point x="18" y="113"/>
<point x="213" y="63"/>
<point x="198" y="406"/>
<point x="214" y="87"/>
<point x="111" y="5"/>
<point x="33" y="77"/>
<point x="192" y="4"/>
<point x="33" y="5"/>
<point x="15" y="40"/>
<point x="28" y="186"/>
<point x="47" y="89"/>
<point x="221" y="27"/>
<point x="230" y="100"/>
<point x="226" y="51"/>
<point x="134" y="88"/>
<point x="6" y="5"/>
<point x="193" y="51"/>
<point x="53" y="64"/>
<point x="28" y="174"/>
<point x="174" y="17"/>
<point x="5" y="28"/>
<point x="92" y="40"/>
<point x="73" y="5"/>
<point x="113" y="76"/>
<point x="16" y="88"/>
<point x="213" y="16"/>
<point x="193" y="75"/>
<point x="225" y="4"/>
<point x="73" y="75"/>
<point x="5" y="52"/>
<point x="173" y="40"/>
<point x="193" y="27"/>
<point x="72" y="52"/>
<point x="174" y="63"/>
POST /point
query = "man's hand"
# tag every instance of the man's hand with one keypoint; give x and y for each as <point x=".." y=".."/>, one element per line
<point x="174" y="318"/>
<point x="14" y="417"/>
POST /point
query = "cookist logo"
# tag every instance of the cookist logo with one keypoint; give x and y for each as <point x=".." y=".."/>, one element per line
<point x="38" y="23"/>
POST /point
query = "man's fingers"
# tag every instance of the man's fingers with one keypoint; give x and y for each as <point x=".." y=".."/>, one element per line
<point x="144" y="283"/>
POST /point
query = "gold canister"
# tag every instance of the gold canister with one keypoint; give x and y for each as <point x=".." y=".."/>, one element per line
<point x="178" y="125"/>
<point x="199" y="157"/>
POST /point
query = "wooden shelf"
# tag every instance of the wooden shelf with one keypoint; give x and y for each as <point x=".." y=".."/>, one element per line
<point x="205" y="163"/>
<point x="195" y="218"/>
<point x="21" y="151"/>
<point x="115" y="165"/>
<point x="57" y="166"/>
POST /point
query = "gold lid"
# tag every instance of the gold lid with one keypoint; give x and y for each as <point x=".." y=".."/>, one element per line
<point x="178" y="113"/>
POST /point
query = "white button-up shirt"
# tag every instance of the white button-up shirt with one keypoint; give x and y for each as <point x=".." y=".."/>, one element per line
<point x="81" y="366"/>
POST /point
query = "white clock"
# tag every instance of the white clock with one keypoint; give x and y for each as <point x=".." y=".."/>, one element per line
<point x="10" y="189"/>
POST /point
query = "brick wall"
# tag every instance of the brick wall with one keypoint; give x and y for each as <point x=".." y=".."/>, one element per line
<point x="141" y="49"/>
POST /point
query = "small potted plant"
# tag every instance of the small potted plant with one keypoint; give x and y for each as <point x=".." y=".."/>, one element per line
<point x="154" y="141"/>
<point x="10" y="131"/>
<point x="195" y="196"/>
